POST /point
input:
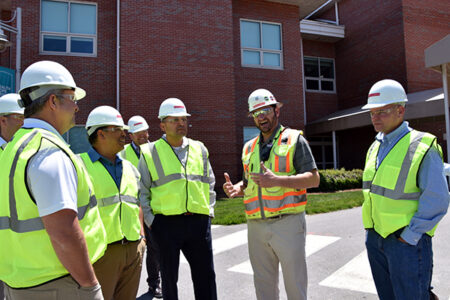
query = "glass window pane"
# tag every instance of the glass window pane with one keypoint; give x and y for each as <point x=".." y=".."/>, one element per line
<point x="250" y="36"/>
<point x="327" y="68"/>
<point x="251" y="58"/>
<point x="81" y="45"/>
<point x="327" y="85"/>
<point x="312" y="84"/>
<point x="311" y="67"/>
<point x="54" y="43"/>
<point x="271" y="36"/>
<point x="54" y="16"/>
<point x="271" y="59"/>
<point x="83" y="18"/>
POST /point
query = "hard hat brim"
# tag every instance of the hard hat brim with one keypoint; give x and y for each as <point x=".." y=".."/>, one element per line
<point x="180" y="114"/>
<point x="278" y="104"/>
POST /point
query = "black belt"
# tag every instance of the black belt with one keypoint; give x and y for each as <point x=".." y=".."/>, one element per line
<point x="123" y="241"/>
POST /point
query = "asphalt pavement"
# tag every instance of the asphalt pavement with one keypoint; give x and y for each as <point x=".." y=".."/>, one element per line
<point x="337" y="262"/>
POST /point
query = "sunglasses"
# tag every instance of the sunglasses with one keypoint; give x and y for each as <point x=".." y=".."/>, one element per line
<point x="67" y="97"/>
<point x="263" y="112"/>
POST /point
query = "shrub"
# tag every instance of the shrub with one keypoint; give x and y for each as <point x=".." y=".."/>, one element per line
<point x="336" y="180"/>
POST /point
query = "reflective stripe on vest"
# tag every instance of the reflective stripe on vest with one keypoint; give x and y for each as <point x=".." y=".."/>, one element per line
<point x="177" y="188"/>
<point x="268" y="202"/>
<point x="33" y="224"/>
<point x="118" y="207"/>
<point x="391" y="192"/>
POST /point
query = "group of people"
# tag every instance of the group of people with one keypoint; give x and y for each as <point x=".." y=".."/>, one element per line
<point x="76" y="226"/>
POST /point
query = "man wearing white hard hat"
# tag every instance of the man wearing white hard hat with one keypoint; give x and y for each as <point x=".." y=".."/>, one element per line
<point x="11" y="118"/>
<point x="178" y="198"/>
<point x="405" y="196"/>
<point x="138" y="133"/>
<point x="116" y="186"/>
<point x="54" y="232"/>
<point x="278" y="168"/>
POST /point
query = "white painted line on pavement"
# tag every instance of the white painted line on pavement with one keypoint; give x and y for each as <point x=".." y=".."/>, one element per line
<point x="313" y="244"/>
<point x="215" y="226"/>
<point x="226" y="243"/>
<point x="355" y="276"/>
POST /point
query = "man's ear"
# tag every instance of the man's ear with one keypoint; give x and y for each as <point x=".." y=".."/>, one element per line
<point x="277" y="112"/>
<point x="163" y="127"/>
<point x="52" y="102"/>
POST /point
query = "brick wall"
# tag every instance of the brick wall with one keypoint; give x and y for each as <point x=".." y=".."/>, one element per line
<point x="425" y="22"/>
<point x="182" y="49"/>
<point x="373" y="48"/>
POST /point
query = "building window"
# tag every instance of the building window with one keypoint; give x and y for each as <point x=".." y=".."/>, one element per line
<point x="68" y="28"/>
<point x="319" y="74"/>
<point x="261" y="44"/>
<point x="249" y="133"/>
<point x="322" y="149"/>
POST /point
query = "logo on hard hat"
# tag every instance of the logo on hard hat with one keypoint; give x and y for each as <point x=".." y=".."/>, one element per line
<point x="119" y="116"/>
<point x="374" y="95"/>
<point x="178" y="106"/>
<point x="139" y="123"/>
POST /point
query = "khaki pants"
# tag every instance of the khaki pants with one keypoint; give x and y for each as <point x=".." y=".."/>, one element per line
<point x="61" y="289"/>
<point x="272" y="242"/>
<point x="119" y="270"/>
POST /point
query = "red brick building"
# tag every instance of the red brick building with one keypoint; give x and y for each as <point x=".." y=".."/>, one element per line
<point x="317" y="57"/>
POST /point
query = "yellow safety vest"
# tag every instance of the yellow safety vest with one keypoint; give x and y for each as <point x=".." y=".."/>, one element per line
<point x="269" y="202"/>
<point x="391" y="194"/>
<point x="28" y="257"/>
<point x="129" y="154"/>
<point x="119" y="210"/>
<point x="176" y="189"/>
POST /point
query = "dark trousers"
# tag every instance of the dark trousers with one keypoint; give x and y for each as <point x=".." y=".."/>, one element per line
<point x="192" y="235"/>
<point x="152" y="261"/>
<point x="400" y="271"/>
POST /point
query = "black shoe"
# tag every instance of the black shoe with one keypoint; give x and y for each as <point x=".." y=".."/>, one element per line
<point x="157" y="293"/>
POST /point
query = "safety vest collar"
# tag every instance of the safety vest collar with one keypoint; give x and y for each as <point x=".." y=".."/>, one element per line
<point x="164" y="179"/>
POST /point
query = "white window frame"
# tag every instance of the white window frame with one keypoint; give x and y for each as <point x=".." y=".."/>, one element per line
<point x="68" y="35"/>
<point x="320" y="78"/>
<point x="262" y="50"/>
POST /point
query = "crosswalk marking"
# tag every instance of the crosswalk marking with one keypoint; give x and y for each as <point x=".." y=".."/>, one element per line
<point x="226" y="243"/>
<point x="313" y="244"/>
<point x="355" y="276"/>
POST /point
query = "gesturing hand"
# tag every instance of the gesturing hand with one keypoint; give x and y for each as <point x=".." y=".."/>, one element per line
<point x="229" y="188"/>
<point x="265" y="179"/>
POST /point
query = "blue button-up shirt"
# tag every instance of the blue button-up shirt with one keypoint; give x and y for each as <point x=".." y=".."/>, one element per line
<point x="434" y="196"/>
<point x="115" y="170"/>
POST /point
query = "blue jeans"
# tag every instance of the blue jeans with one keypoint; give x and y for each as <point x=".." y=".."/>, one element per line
<point x="400" y="271"/>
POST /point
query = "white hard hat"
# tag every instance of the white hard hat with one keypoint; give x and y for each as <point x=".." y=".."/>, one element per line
<point x="261" y="98"/>
<point x="9" y="104"/>
<point x="136" y="124"/>
<point x="103" y="116"/>
<point x="172" y="107"/>
<point x="385" y="92"/>
<point x="47" y="75"/>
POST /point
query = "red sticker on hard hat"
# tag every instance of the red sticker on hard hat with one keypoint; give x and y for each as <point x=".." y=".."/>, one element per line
<point x="374" y="94"/>
<point x="178" y="106"/>
<point x="137" y="124"/>
<point x="258" y="105"/>
<point x="119" y="116"/>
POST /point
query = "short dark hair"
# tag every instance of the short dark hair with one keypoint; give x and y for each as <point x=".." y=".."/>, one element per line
<point x="38" y="104"/>
<point x="93" y="137"/>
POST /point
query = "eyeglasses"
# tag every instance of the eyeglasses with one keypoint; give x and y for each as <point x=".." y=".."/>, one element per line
<point x="67" y="97"/>
<point x="382" y="112"/>
<point x="112" y="129"/>
<point x="263" y="112"/>
<point x="17" y="117"/>
<point x="176" y="120"/>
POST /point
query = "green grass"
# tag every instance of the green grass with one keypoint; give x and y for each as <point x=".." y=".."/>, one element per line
<point x="231" y="211"/>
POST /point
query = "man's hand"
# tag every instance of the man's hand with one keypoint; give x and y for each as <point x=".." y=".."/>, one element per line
<point x="230" y="189"/>
<point x="265" y="179"/>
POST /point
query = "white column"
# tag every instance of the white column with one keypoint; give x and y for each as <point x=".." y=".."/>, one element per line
<point x="333" y="133"/>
